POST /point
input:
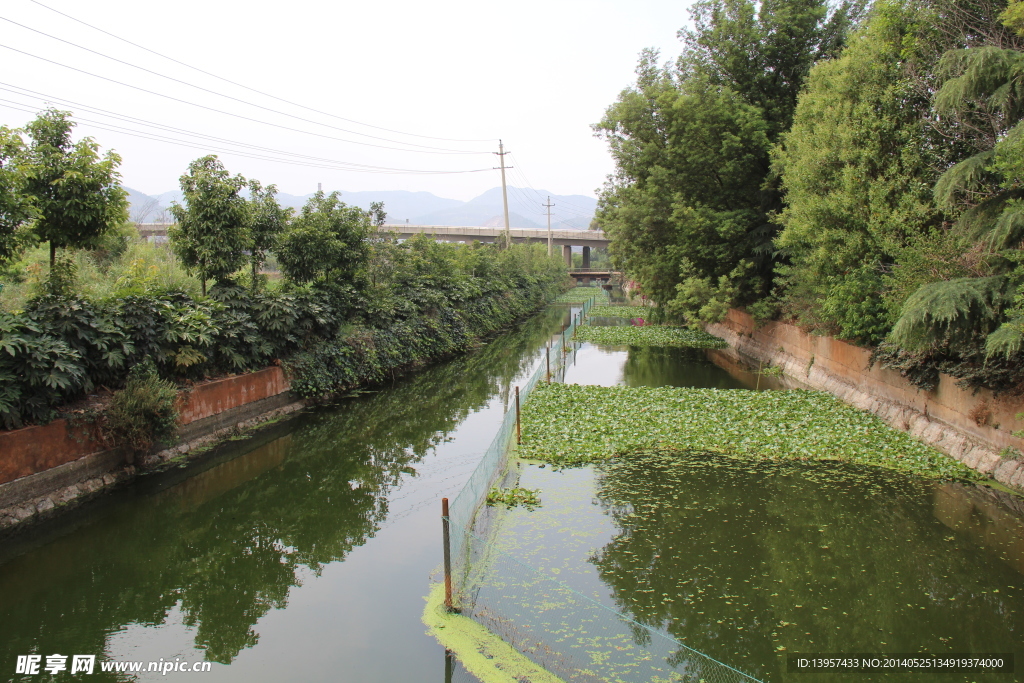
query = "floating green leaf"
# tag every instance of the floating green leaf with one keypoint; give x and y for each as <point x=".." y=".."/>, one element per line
<point x="649" y="335"/>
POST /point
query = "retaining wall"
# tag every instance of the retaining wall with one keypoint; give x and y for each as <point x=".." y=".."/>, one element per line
<point x="43" y="467"/>
<point x="973" y="427"/>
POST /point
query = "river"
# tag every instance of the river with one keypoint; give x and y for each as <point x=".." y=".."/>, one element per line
<point x="304" y="551"/>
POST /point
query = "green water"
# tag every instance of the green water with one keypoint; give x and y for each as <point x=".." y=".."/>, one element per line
<point x="304" y="552"/>
<point x="750" y="562"/>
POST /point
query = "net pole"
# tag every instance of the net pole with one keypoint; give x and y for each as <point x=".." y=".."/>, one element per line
<point x="447" y="555"/>
<point x="519" y="434"/>
<point x="547" y="361"/>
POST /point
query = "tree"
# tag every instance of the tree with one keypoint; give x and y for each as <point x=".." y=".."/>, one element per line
<point x="689" y="209"/>
<point x="76" y="194"/>
<point x="857" y="168"/>
<point x="15" y="208"/>
<point x="267" y="220"/>
<point x="210" y="236"/>
<point x="326" y="245"/>
<point x="982" y="90"/>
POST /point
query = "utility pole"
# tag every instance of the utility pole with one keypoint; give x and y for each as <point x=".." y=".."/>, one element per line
<point x="549" y="205"/>
<point x="504" y="192"/>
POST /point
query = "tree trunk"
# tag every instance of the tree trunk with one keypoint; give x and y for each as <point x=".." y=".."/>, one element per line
<point x="53" y="254"/>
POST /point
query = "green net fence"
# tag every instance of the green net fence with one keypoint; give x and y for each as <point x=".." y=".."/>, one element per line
<point x="559" y="628"/>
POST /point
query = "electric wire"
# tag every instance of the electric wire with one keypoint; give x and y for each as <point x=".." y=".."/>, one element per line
<point x="165" y="128"/>
<point x="338" y="166"/>
<point x="259" y="92"/>
<point x="234" y="99"/>
<point x="584" y="211"/>
<point x="220" y="111"/>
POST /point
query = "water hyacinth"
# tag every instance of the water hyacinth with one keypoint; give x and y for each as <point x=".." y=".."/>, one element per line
<point x="649" y="335"/>
<point x="571" y="425"/>
<point x="645" y="312"/>
<point x="579" y="295"/>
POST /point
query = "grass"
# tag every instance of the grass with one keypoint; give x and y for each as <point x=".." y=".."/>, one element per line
<point x="139" y="267"/>
<point x="570" y="425"/>
<point x="649" y="335"/>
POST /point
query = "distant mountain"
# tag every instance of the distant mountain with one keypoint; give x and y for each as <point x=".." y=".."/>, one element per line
<point x="423" y="208"/>
<point x="399" y="204"/>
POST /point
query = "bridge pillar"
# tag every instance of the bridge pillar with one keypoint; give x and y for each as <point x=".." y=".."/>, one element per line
<point x="567" y="255"/>
<point x="586" y="257"/>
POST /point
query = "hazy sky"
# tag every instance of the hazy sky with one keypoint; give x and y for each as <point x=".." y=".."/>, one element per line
<point x="536" y="74"/>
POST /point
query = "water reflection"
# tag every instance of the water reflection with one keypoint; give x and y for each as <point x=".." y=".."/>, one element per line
<point x="748" y="561"/>
<point x="224" y="543"/>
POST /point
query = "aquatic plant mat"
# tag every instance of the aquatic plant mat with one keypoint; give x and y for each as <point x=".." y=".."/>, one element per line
<point x="573" y="425"/>
<point x="482" y="653"/>
<point x="579" y="295"/>
<point x="749" y="561"/>
<point x="645" y="312"/>
<point x="649" y="335"/>
<point x="562" y="630"/>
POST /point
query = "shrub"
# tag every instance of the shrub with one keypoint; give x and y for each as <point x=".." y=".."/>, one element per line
<point x="144" y="412"/>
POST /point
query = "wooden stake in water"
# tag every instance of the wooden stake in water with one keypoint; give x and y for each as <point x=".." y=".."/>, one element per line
<point x="519" y="434"/>
<point x="448" y="550"/>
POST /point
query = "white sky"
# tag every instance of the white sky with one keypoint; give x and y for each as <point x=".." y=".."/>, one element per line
<point x="533" y="73"/>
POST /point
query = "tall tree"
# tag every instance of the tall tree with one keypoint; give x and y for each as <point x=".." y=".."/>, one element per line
<point x="327" y="245"/>
<point x="76" y="193"/>
<point x="690" y="207"/>
<point x="15" y="208"/>
<point x="983" y="93"/>
<point x="267" y="220"/>
<point x="856" y="167"/>
<point x="211" y="236"/>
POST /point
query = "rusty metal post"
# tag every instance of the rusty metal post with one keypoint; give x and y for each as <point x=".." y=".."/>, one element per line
<point x="448" y="553"/>
<point x="519" y="433"/>
<point x="547" y="361"/>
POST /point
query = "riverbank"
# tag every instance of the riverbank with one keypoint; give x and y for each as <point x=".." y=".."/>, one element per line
<point x="974" y="428"/>
<point x="48" y="469"/>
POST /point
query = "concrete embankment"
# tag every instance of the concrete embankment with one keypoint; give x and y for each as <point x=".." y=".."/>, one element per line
<point x="974" y="427"/>
<point x="48" y="467"/>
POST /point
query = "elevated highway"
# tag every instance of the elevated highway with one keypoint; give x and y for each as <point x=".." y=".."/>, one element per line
<point x="567" y="239"/>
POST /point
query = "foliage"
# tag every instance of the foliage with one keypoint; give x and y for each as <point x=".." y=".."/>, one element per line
<point x="144" y="412"/>
<point x="15" y="207"/>
<point x="266" y="221"/>
<point x="210" y="233"/>
<point x="367" y="354"/>
<point x="856" y="167"/>
<point x="326" y="246"/>
<point x="514" y="497"/>
<point x="649" y="335"/>
<point x="572" y="425"/>
<point x="37" y="372"/>
<point x="75" y="194"/>
<point x="645" y="312"/>
<point x="689" y="209"/>
<point x="980" y="86"/>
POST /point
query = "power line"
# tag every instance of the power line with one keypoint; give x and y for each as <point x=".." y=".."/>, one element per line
<point x="163" y="127"/>
<point x="325" y="164"/>
<point x="519" y="168"/>
<point x="234" y="99"/>
<point x="259" y="92"/>
<point x="220" y="111"/>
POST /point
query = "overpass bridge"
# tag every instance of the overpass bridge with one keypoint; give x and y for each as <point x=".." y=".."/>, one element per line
<point x="567" y="239"/>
